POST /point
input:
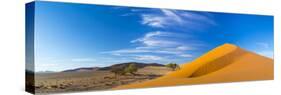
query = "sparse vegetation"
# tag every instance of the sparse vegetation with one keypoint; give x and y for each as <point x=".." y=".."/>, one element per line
<point x="118" y="71"/>
<point x="132" y="68"/>
<point x="97" y="79"/>
<point x="173" y="66"/>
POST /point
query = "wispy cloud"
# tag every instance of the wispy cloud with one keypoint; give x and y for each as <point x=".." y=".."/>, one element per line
<point x="263" y="45"/>
<point x="157" y="38"/>
<point x="186" y="55"/>
<point x="155" y="43"/>
<point x="161" y="20"/>
<point x="167" y="18"/>
<point x="184" y="48"/>
<point x="166" y="40"/>
<point x="195" y="17"/>
<point x="148" y="58"/>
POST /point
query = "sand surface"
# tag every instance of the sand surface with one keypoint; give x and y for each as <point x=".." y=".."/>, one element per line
<point x="226" y="63"/>
<point x="92" y="80"/>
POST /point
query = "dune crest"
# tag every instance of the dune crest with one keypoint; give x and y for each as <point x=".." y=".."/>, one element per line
<point x="226" y="63"/>
<point x="219" y="62"/>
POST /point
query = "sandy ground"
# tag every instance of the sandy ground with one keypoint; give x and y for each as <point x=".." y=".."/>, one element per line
<point x="226" y="63"/>
<point x="92" y="80"/>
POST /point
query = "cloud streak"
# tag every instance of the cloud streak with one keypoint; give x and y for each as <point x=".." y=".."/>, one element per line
<point x="154" y="44"/>
<point x="166" y="43"/>
<point x="161" y="20"/>
<point x="263" y="45"/>
<point x="148" y="57"/>
<point x="167" y="18"/>
<point x="157" y="38"/>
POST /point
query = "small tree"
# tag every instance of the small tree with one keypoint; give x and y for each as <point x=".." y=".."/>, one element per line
<point x="173" y="66"/>
<point x="118" y="71"/>
<point x="132" y="68"/>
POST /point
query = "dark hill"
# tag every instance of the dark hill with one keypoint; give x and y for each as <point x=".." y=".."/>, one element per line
<point x="115" y="66"/>
<point x="123" y="65"/>
<point x="82" y="69"/>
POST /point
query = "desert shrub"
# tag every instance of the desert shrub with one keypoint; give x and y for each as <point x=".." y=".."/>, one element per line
<point x="132" y="68"/>
<point x="173" y="66"/>
<point x="118" y="71"/>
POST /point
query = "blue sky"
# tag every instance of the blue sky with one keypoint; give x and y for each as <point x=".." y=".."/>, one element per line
<point x="70" y="36"/>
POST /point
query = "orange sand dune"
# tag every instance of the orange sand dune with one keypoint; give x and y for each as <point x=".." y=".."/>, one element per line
<point x="226" y="63"/>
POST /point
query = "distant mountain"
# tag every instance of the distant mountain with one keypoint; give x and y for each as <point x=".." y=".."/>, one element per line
<point x="123" y="65"/>
<point x="82" y="69"/>
<point x="45" y="72"/>
<point x="115" y="66"/>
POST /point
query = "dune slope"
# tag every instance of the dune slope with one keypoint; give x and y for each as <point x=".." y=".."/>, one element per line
<point x="226" y="63"/>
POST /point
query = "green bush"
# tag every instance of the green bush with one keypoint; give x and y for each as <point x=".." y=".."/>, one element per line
<point x="173" y="66"/>
<point x="132" y="68"/>
<point x="118" y="71"/>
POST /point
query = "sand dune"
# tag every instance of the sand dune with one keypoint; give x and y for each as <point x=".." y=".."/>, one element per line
<point x="226" y="63"/>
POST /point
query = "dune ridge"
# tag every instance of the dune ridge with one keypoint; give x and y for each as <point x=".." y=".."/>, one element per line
<point x="226" y="63"/>
<point x="219" y="63"/>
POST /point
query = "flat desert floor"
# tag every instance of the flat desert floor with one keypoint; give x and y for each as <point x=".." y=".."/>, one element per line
<point x="92" y="80"/>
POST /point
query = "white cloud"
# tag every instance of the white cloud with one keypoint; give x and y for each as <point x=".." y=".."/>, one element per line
<point x="186" y="55"/>
<point x="175" y="18"/>
<point x="142" y="50"/>
<point x="153" y="20"/>
<point x="148" y="58"/>
<point x="157" y="42"/>
<point x="119" y="52"/>
<point x="173" y="44"/>
<point x="198" y="17"/>
<point x="167" y="51"/>
<point x="148" y="36"/>
<point x="263" y="45"/>
<point x="184" y="48"/>
<point x="158" y="39"/>
<point x="167" y="17"/>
